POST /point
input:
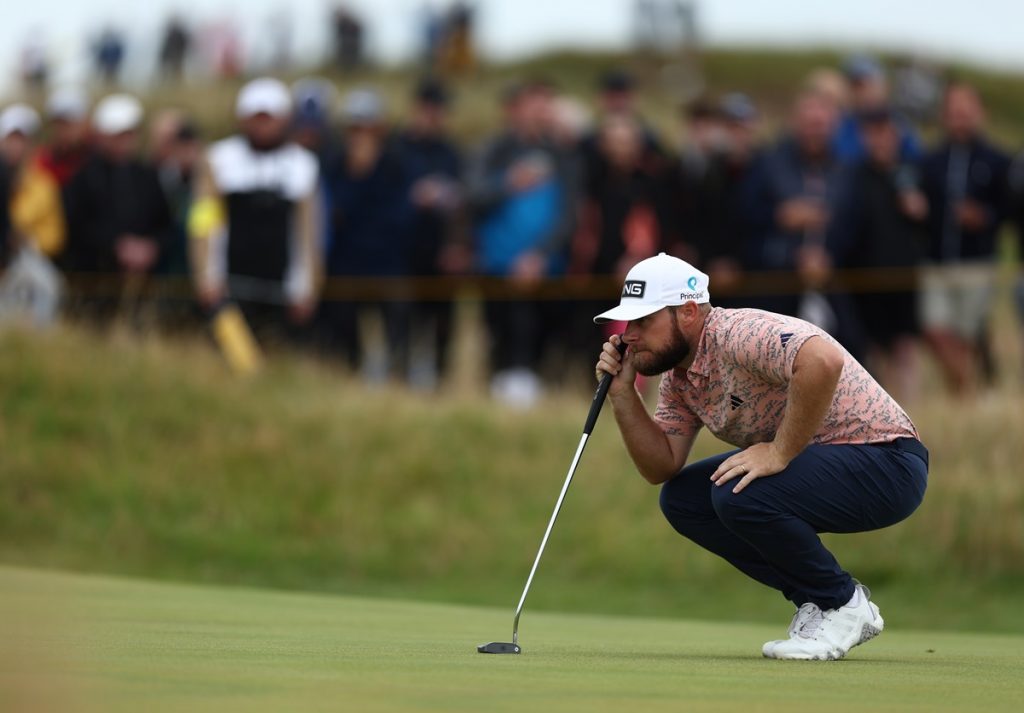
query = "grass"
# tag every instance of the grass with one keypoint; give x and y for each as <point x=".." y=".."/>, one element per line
<point x="86" y="643"/>
<point x="140" y="457"/>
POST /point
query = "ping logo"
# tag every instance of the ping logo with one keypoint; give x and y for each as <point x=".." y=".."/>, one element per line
<point x="634" y="288"/>
<point x="692" y="282"/>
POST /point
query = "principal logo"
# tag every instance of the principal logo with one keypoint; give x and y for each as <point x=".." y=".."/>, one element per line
<point x="692" y="282"/>
<point x="634" y="288"/>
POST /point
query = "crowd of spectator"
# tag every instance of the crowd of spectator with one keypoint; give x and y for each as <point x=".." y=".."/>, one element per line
<point x="317" y="225"/>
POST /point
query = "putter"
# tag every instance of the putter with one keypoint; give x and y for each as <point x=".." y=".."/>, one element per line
<point x="504" y="647"/>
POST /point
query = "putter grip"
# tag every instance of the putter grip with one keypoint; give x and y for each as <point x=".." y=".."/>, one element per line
<point x="599" y="396"/>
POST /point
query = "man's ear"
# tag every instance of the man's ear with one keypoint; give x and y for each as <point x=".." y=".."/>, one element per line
<point x="689" y="311"/>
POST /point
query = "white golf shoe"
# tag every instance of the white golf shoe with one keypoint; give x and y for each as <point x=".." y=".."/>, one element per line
<point x="829" y="635"/>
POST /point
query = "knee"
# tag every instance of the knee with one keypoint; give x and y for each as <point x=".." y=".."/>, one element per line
<point x="681" y="506"/>
<point x="733" y="508"/>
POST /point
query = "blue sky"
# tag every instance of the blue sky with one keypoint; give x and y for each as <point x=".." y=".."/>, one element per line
<point x="981" y="31"/>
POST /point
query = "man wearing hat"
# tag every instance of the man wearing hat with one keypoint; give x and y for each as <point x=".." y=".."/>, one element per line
<point x="821" y="447"/>
<point x="118" y="218"/>
<point x="67" y="116"/>
<point x="254" y="223"/>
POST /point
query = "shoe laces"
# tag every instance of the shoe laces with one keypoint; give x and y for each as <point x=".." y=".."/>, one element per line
<point x="812" y="619"/>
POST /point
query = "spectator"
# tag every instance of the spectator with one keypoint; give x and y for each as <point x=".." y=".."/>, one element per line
<point x="174" y="48"/>
<point x="67" y="113"/>
<point x="175" y="151"/>
<point x="880" y="218"/>
<point x="616" y="97"/>
<point x="348" y="39"/>
<point x="437" y="250"/>
<point x="108" y="54"/>
<point x="521" y="195"/>
<point x="35" y="63"/>
<point x="459" y="56"/>
<point x="705" y="137"/>
<point x="368" y="230"/>
<point x="719" y="222"/>
<point x="311" y="126"/>
<point x="793" y="204"/>
<point x="964" y="179"/>
<point x="118" y="219"/>
<point x="254" y="224"/>
<point x="869" y="92"/>
<point x="32" y="201"/>
<point x="31" y="222"/>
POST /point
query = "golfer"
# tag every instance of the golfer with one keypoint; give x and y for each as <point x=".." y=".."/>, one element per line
<point x="821" y="446"/>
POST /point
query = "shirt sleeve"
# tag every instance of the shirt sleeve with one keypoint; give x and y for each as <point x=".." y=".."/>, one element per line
<point x="672" y="414"/>
<point x="766" y="346"/>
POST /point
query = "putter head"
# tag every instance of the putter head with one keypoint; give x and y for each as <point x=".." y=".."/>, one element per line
<point x="499" y="647"/>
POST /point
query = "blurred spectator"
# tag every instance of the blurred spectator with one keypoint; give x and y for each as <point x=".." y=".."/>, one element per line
<point x="67" y="113"/>
<point x="917" y="90"/>
<point x="624" y="217"/>
<point x="32" y="202"/>
<point x="118" y="219"/>
<point x="625" y="210"/>
<point x="35" y="63"/>
<point x="348" y="39"/>
<point x="222" y="48"/>
<point x="964" y="179"/>
<point x="108" y="53"/>
<point x="869" y="91"/>
<point x="793" y="204"/>
<point x="254" y="224"/>
<point x="369" y="236"/>
<point x="31" y="223"/>
<point x="719" y="221"/>
<point x="458" y="57"/>
<point x="175" y="150"/>
<point x="704" y="138"/>
<point x="880" y="218"/>
<point x="434" y="168"/>
<point x="174" y="48"/>
<point x="432" y="29"/>
<point x="314" y="100"/>
<point x="279" y="40"/>
<point x="520" y="188"/>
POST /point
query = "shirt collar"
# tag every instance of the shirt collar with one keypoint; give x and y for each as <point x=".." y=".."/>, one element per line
<point x="702" y="360"/>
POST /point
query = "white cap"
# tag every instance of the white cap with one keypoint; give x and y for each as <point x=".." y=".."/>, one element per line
<point x="19" y="118"/>
<point x="116" y="114"/>
<point x="654" y="283"/>
<point x="362" y="106"/>
<point x="263" y="96"/>
<point x="69" y="102"/>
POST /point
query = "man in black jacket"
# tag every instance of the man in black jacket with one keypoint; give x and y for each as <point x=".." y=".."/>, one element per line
<point x="119" y="221"/>
<point x="964" y="179"/>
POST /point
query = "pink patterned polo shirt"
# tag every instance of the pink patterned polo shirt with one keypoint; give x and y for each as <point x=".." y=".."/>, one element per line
<point x="738" y="382"/>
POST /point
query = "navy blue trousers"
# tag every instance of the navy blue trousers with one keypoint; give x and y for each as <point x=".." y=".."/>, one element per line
<point x="769" y="530"/>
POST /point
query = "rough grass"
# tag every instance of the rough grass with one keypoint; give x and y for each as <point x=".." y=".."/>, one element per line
<point x="142" y="456"/>
<point x="78" y="644"/>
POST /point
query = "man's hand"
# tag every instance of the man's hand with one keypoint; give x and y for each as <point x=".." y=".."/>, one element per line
<point x="799" y="214"/>
<point x="136" y="253"/>
<point x="611" y="362"/>
<point x="759" y="460"/>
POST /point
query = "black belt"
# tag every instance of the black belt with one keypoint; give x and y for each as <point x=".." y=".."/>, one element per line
<point x="907" y="445"/>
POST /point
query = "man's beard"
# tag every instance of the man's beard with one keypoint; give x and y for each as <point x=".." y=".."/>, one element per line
<point x="658" y="362"/>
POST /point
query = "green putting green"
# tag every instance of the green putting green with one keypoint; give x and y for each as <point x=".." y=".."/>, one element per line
<point x="89" y="643"/>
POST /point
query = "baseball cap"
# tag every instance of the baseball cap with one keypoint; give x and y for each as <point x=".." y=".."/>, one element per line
<point x="116" y="114"/>
<point x="18" y="118"/>
<point x="432" y="91"/>
<point x="654" y="283"/>
<point x="69" y="102"/>
<point x="263" y="96"/>
<point x="736" y="106"/>
<point x="859" y="67"/>
<point x="362" y="106"/>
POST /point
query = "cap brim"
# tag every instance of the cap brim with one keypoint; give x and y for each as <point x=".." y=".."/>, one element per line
<point x="626" y="313"/>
